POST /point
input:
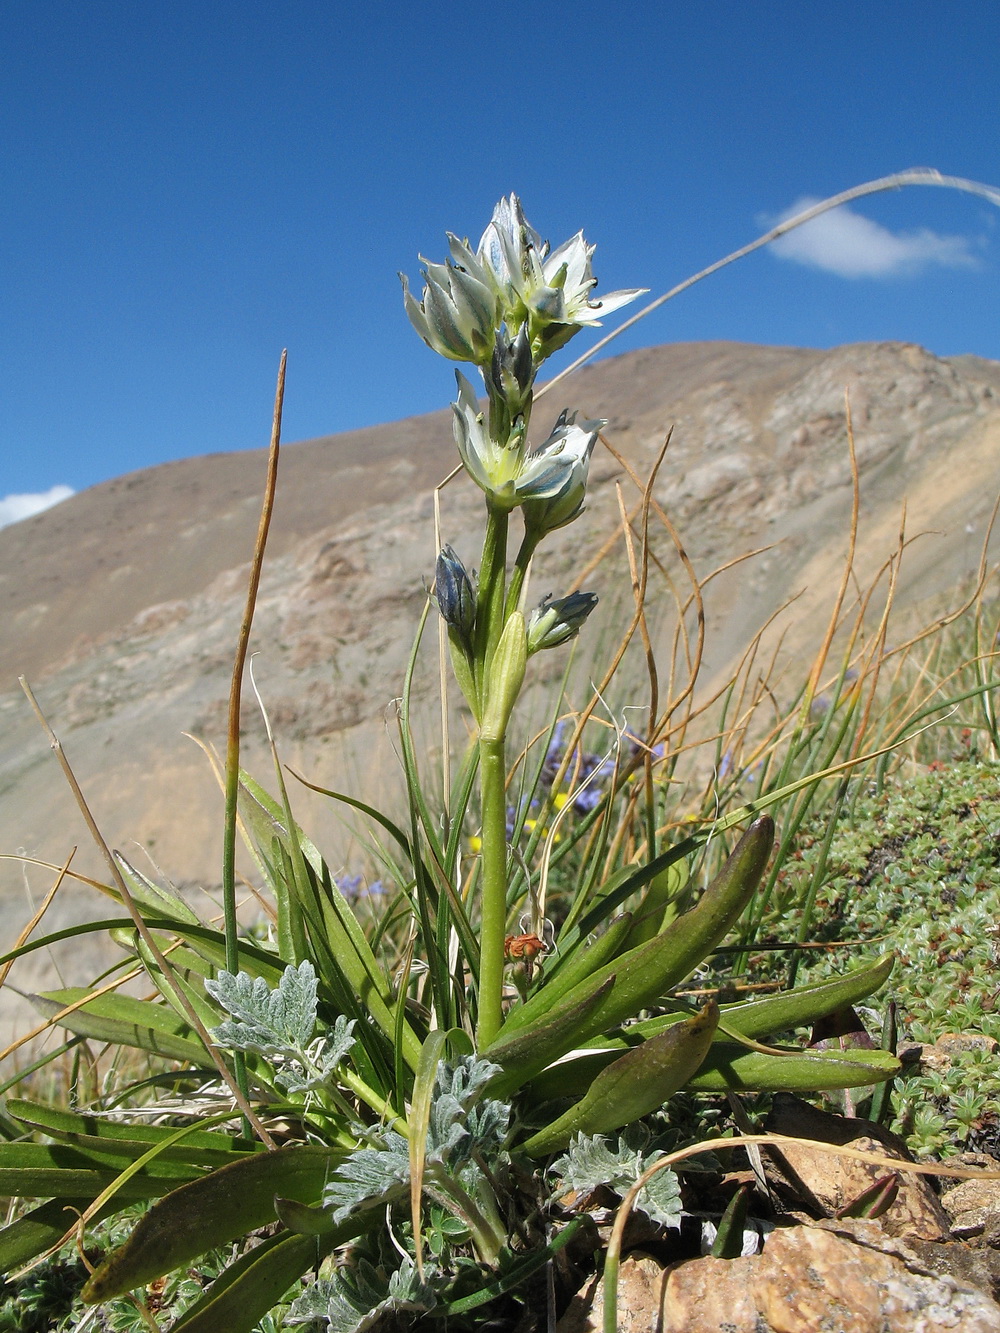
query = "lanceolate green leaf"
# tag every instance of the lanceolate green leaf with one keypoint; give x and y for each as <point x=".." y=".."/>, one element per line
<point x="644" y="975"/>
<point x="210" y="945"/>
<point x="772" y="1014"/>
<point x="638" y="1082"/>
<point x="668" y="893"/>
<point x="329" y="917"/>
<point x="210" y="1212"/>
<point x="239" y="1297"/>
<point x="806" y="1004"/>
<point x="40" y="1229"/>
<point x="125" y="1021"/>
<point x="130" y="1140"/>
<point x="64" y="1171"/>
<point x="526" y="1052"/>
<point x="755" y="1019"/>
<point x="728" y="1067"/>
<point x="305" y="1219"/>
<point x="150" y="898"/>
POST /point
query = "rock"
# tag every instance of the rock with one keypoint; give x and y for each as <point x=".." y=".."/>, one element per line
<point x="938" y="1057"/>
<point x="641" y="1283"/>
<point x="828" y="1184"/>
<point x="954" y="1042"/>
<point x="973" y="1207"/>
<point x="810" y="1279"/>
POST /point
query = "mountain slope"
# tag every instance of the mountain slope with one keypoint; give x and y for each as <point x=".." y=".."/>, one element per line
<point x="122" y="603"/>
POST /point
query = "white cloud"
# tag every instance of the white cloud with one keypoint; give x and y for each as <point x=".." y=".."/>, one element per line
<point x="852" y="246"/>
<point x="15" y="507"/>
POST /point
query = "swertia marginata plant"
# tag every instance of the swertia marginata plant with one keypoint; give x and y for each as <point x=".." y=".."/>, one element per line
<point x="390" y="1100"/>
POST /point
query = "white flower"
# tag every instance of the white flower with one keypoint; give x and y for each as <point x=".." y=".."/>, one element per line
<point x="492" y="466"/>
<point x="459" y="311"/>
<point x="551" y="482"/>
<point x="565" y="455"/>
<point x="549" y="291"/>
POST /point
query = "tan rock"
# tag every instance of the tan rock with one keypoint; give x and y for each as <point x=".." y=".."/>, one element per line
<point x="641" y="1285"/>
<point x="829" y="1183"/>
<point x="809" y="1280"/>
<point x="974" y="1208"/>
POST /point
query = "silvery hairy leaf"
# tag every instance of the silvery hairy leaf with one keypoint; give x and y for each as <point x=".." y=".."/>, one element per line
<point x="460" y="1122"/>
<point x="324" y="1056"/>
<point x="354" y="1298"/>
<point x="369" y="1174"/>
<point x="592" y="1161"/>
<point x="277" y="1021"/>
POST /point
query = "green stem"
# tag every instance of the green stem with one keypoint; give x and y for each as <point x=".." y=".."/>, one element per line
<point x="488" y="1234"/>
<point x="378" y="1104"/>
<point x="493" y="924"/>
<point x="490" y="607"/>
<point x="492" y="777"/>
<point x="529" y="542"/>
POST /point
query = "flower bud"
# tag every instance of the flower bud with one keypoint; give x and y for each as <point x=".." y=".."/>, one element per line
<point x="506" y="676"/>
<point x="512" y="371"/>
<point x="509" y="379"/>
<point x="456" y="598"/>
<point x="554" y="622"/>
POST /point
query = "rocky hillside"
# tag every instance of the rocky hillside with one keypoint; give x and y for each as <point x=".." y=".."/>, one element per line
<point x="121" y="605"/>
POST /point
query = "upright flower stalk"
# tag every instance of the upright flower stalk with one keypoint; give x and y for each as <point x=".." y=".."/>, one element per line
<point x="505" y="308"/>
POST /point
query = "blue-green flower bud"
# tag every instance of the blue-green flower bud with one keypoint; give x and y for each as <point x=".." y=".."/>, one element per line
<point x="512" y="371"/>
<point x="455" y="595"/>
<point x="553" y="622"/>
<point x="509" y="379"/>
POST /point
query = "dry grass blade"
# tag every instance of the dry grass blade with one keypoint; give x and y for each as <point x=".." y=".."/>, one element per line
<point x="46" y="904"/>
<point x="619" y="653"/>
<point x="912" y="176"/>
<point x="824" y="652"/>
<point x="236" y="688"/>
<point x="67" y="1010"/>
<point x="140" y="924"/>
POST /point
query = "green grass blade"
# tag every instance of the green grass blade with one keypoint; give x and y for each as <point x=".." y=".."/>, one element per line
<point x="125" y="1021"/>
<point x="517" y="1273"/>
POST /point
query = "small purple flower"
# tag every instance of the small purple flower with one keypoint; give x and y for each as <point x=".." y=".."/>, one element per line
<point x="355" y="888"/>
<point x="350" y="886"/>
<point x="588" y="799"/>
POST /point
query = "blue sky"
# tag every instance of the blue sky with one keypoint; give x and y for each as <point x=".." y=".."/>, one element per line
<point x="192" y="187"/>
